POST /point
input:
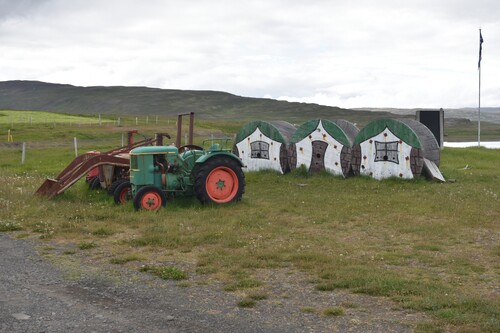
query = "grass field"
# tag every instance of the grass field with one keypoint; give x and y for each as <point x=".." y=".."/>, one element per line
<point x="430" y="247"/>
<point x="9" y="117"/>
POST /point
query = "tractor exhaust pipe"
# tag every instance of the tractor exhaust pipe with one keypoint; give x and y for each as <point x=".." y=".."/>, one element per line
<point x="191" y="126"/>
<point x="179" y="129"/>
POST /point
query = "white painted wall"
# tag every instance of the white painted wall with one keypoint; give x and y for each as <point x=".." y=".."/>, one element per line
<point x="255" y="164"/>
<point x="385" y="169"/>
<point x="332" y="155"/>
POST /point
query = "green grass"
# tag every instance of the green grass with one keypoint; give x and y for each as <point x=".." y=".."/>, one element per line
<point x="247" y="303"/>
<point x="333" y="311"/>
<point x="59" y="135"/>
<point x="251" y="299"/>
<point x="165" y="272"/>
<point x="308" y="309"/>
<point x="9" y="226"/>
<point x="428" y="328"/>
<point x="429" y="247"/>
<point x="257" y="296"/>
<point x="126" y="258"/>
<point x="87" y="245"/>
<point x="243" y="284"/>
<point x="10" y="117"/>
<point x="103" y="232"/>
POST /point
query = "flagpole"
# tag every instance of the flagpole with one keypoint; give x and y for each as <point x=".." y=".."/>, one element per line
<point x="479" y="99"/>
<point x="479" y="113"/>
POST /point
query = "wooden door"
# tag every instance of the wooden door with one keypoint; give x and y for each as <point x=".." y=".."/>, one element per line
<point x="318" y="156"/>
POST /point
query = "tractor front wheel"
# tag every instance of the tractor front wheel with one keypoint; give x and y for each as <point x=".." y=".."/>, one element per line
<point x="95" y="184"/>
<point x="219" y="180"/>
<point x="123" y="192"/>
<point x="149" y="198"/>
<point x="115" y="184"/>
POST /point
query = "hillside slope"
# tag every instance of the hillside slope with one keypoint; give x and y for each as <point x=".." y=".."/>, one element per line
<point x="35" y="95"/>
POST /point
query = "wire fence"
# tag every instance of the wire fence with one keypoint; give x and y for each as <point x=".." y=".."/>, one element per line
<point x="14" y="127"/>
<point x="67" y="143"/>
<point x="18" y="131"/>
<point x="79" y="146"/>
<point x="80" y="121"/>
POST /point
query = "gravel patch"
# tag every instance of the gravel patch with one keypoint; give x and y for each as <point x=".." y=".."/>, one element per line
<point x="40" y="295"/>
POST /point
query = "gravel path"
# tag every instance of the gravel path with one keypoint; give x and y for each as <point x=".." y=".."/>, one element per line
<point x="37" y="296"/>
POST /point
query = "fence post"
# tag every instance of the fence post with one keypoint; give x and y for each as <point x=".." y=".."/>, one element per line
<point x="76" y="146"/>
<point x="23" y="155"/>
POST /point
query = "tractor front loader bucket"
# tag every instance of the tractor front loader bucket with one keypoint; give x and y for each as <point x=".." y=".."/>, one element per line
<point x="49" y="188"/>
<point x="82" y="164"/>
<point x="76" y="170"/>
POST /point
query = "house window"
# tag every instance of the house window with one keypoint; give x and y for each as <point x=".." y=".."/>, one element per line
<point x="260" y="149"/>
<point x="387" y="151"/>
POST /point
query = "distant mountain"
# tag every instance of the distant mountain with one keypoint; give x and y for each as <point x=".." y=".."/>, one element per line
<point x="41" y="96"/>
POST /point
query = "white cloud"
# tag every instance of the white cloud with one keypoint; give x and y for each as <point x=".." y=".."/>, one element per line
<point x="349" y="54"/>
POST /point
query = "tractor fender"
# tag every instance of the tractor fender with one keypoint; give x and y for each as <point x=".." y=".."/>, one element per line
<point x="206" y="157"/>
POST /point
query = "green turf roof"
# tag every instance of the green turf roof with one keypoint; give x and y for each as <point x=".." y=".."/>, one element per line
<point x="400" y="129"/>
<point x="266" y="128"/>
<point x="331" y="128"/>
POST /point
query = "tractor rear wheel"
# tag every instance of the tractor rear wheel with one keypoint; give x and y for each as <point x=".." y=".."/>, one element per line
<point x="123" y="192"/>
<point x="149" y="198"/>
<point x="219" y="180"/>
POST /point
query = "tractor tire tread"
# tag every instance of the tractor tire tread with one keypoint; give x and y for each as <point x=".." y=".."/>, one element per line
<point x="203" y="170"/>
<point x="118" y="191"/>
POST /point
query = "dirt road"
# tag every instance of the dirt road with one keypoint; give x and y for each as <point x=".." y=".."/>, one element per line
<point x="38" y="296"/>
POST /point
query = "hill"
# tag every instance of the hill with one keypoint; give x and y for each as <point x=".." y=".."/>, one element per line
<point x="35" y="95"/>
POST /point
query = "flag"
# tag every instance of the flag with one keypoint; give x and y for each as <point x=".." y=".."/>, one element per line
<point x="480" y="49"/>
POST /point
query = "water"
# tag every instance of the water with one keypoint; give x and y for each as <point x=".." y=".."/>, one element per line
<point x="486" y="144"/>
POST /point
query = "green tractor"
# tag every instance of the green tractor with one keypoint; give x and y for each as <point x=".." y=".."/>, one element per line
<point x="158" y="173"/>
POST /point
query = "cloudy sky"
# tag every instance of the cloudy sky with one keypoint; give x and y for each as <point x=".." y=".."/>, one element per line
<point x="384" y="53"/>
